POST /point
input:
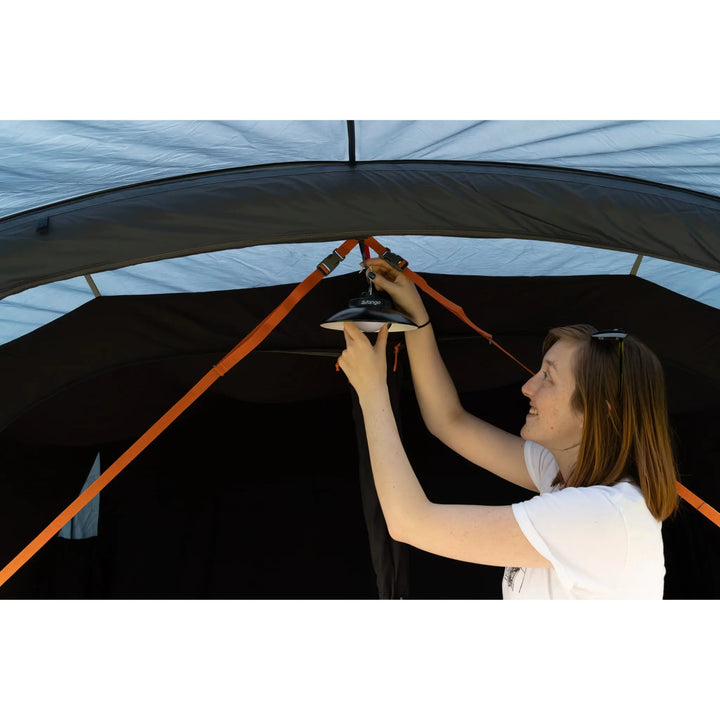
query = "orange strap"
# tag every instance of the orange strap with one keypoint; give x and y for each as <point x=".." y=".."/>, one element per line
<point x="448" y="304"/>
<point x="457" y="310"/>
<point x="700" y="505"/>
<point x="249" y="343"/>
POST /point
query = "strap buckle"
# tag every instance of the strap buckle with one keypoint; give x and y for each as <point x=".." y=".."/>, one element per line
<point x="330" y="262"/>
<point x="396" y="261"/>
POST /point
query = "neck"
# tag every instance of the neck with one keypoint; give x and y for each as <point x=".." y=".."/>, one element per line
<point x="566" y="459"/>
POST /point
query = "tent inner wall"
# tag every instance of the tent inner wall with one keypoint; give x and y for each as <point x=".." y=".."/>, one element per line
<point x="235" y="500"/>
<point x="239" y="500"/>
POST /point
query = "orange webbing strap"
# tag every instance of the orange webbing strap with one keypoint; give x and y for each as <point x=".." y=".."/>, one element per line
<point x="249" y="343"/>
<point x="457" y="310"/>
<point x="451" y="306"/>
<point x="700" y="505"/>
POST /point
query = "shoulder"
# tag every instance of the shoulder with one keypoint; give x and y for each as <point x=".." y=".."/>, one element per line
<point x="620" y="498"/>
<point x="585" y="510"/>
<point x="627" y="499"/>
<point x="578" y="505"/>
<point x="622" y="501"/>
<point x="598" y="538"/>
<point x="625" y="496"/>
<point x="600" y="511"/>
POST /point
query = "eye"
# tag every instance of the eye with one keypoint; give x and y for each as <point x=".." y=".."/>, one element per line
<point x="545" y="376"/>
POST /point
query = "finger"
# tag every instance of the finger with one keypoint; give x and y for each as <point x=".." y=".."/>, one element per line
<point x="353" y="333"/>
<point x="350" y="329"/>
<point x="378" y="262"/>
<point x="381" y="281"/>
<point x="382" y="336"/>
<point x="381" y="268"/>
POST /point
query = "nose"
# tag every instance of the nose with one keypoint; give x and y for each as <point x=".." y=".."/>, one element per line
<point x="528" y="388"/>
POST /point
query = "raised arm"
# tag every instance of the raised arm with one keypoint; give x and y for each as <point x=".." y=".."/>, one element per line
<point x="497" y="451"/>
<point x="473" y="533"/>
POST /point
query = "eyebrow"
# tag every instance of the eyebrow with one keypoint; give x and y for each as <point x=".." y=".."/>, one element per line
<point x="551" y="365"/>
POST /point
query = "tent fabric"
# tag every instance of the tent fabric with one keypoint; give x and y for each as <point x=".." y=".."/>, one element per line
<point x="51" y="161"/>
<point x="309" y="202"/>
<point x="85" y="523"/>
<point x="134" y="255"/>
<point x="268" y="265"/>
<point x="270" y="182"/>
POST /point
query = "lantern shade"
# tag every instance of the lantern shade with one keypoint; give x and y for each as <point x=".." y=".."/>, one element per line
<point x="370" y="312"/>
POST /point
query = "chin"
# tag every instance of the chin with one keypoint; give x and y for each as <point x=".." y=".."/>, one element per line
<point x="527" y="433"/>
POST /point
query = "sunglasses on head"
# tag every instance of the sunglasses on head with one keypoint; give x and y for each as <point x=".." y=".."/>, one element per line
<point x="609" y="335"/>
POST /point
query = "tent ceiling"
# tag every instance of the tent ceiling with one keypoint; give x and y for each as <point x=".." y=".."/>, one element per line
<point x="317" y="202"/>
<point x="49" y="161"/>
<point x="159" y="207"/>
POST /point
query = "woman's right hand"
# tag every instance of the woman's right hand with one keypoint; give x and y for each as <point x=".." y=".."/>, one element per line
<point x="399" y="287"/>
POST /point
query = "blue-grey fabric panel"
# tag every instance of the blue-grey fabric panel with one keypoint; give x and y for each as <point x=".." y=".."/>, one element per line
<point x="44" y="162"/>
<point x="85" y="523"/>
<point x="49" y="161"/>
<point x="263" y="266"/>
<point x="683" y="153"/>
<point x="268" y="265"/>
<point x="696" y="283"/>
<point x="26" y="311"/>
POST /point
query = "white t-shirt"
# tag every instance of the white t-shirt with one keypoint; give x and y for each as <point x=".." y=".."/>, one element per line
<point x="603" y="542"/>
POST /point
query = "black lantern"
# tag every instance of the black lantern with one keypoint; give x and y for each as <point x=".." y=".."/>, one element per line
<point x="370" y="312"/>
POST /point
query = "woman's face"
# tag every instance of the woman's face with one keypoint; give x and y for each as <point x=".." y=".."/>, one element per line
<point x="552" y="421"/>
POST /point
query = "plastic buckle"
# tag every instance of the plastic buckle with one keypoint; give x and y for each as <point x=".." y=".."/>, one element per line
<point x="396" y="261"/>
<point x="330" y="262"/>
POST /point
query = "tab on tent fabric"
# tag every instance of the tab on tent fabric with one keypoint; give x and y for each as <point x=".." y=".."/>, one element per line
<point x="85" y="523"/>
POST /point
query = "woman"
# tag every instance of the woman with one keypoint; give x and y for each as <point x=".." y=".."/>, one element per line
<point x="595" y="446"/>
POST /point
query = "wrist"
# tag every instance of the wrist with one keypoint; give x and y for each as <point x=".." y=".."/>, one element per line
<point x="420" y="315"/>
<point x="374" y="398"/>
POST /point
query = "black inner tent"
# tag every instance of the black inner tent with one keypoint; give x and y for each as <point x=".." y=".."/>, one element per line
<point x="261" y="489"/>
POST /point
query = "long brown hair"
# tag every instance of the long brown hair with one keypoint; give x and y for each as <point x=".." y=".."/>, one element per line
<point x="626" y="430"/>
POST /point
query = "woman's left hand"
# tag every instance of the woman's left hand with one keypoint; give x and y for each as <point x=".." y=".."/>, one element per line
<point x="364" y="364"/>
